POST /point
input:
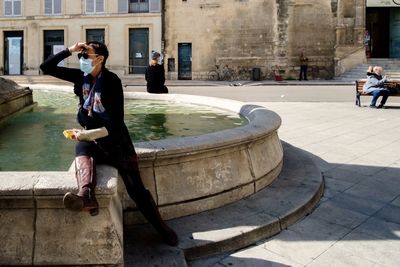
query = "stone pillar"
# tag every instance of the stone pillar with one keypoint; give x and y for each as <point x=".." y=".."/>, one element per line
<point x="340" y="28"/>
<point x="359" y="28"/>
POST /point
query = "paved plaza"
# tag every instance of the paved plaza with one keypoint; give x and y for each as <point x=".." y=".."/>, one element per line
<point x="357" y="222"/>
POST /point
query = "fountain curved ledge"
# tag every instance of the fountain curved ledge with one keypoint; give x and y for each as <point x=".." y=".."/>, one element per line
<point x="185" y="175"/>
<point x="13" y="98"/>
<point x="193" y="174"/>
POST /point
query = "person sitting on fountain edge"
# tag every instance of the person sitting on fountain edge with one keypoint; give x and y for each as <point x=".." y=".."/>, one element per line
<point x="104" y="137"/>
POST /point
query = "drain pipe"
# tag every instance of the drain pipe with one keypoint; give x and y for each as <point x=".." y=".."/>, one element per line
<point x="163" y="30"/>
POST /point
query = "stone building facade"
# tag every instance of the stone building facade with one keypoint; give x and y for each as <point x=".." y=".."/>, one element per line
<point x="31" y="30"/>
<point x="269" y="35"/>
<point x="196" y="36"/>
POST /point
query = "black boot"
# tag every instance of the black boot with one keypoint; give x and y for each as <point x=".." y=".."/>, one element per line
<point x="85" y="200"/>
<point x="147" y="206"/>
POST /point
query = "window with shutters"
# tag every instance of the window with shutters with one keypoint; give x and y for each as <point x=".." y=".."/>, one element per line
<point x="94" y="6"/>
<point x="140" y="6"/>
<point x="12" y="7"/>
<point x="52" y="7"/>
<point x="123" y="6"/>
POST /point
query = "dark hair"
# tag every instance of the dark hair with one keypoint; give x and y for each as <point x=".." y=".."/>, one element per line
<point x="100" y="49"/>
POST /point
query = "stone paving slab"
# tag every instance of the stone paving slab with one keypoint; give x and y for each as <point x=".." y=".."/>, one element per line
<point x="396" y="202"/>
<point x="378" y="229"/>
<point x="146" y="248"/>
<point x="305" y="239"/>
<point x="362" y="194"/>
<point x="339" y="257"/>
<point x="371" y="248"/>
<point x="256" y="257"/>
<point x="361" y="205"/>
<point x="330" y="212"/>
<point x="290" y="197"/>
<point x="375" y="190"/>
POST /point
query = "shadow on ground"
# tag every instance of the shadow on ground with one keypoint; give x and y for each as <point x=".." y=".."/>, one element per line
<point x="360" y="203"/>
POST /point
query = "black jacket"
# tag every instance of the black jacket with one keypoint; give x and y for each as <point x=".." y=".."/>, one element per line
<point x="155" y="78"/>
<point x="112" y="98"/>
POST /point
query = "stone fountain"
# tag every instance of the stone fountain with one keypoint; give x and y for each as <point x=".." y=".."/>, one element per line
<point x="186" y="176"/>
<point x="13" y="98"/>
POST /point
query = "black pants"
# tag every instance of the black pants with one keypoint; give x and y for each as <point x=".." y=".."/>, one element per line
<point x="126" y="165"/>
<point x="303" y="72"/>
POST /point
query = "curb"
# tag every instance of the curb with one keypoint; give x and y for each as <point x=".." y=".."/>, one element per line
<point x="292" y="196"/>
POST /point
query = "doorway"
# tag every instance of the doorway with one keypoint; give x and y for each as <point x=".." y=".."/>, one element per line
<point x="383" y="24"/>
<point x="95" y="35"/>
<point x="138" y="50"/>
<point x="13" y="52"/>
<point x="53" y="42"/>
<point x="184" y="61"/>
<point x="394" y="48"/>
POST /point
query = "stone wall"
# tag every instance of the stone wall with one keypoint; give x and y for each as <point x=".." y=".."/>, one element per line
<point x="270" y="35"/>
<point x="310" y="30"/>
<point x="36" y="229"/>
<point x="349" y="18"/>
<point x="238" y="33"/>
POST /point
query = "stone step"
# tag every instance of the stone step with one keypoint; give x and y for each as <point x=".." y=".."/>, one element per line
<point x="35" y="79"/>
<point x="293" y="195"/>
<point x="390" y="65"/>
<point x="47" y="79"/>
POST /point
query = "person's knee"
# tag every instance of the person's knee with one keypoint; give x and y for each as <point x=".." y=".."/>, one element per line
<point x="82" y="149"/>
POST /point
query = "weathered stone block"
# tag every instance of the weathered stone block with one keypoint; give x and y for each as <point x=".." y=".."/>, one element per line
<point x="202" y="177"/>
<point x="17" y="236"/>
<point x="73" y="238"/>
<point x="36" y="229"/>
<point x="265" y="155"/>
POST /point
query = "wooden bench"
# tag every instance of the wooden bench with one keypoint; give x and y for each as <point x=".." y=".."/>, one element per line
<point x="360" y="84"/>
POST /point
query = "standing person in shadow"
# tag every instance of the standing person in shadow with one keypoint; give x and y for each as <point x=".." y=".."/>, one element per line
<point x="104" y="138"/>
<point x="375" y="85"/>
<point x="155" y="76"/>
<point x="303" y="67"/>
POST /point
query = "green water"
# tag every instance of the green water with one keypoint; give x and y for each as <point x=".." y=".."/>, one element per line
<point x="33" y="141"/>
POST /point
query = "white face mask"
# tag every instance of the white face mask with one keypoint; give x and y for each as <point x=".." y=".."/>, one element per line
<point x="86" y="65"/>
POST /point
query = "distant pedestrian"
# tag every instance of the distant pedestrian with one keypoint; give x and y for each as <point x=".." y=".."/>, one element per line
<point x="155" y="75"/>
<point x="303" y="67"/>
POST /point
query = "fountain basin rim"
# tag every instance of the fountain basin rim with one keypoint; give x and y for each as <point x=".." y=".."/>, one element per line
<point x="262" y="122"/>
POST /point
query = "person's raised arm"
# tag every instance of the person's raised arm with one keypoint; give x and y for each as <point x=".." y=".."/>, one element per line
<point x="49" y="66"/>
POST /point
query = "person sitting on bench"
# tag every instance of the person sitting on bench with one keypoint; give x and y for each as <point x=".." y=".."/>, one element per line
<point x="375" y="85"/>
